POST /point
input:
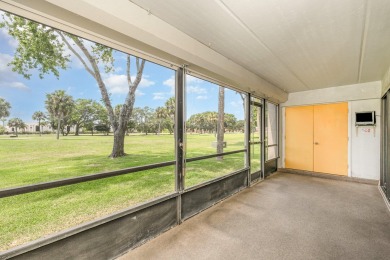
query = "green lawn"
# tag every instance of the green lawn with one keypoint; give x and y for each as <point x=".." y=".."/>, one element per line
<point x="32" y="159"/>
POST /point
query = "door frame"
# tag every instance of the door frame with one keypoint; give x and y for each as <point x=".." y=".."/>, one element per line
<point x="260" y="104"/>
<point x="282" y="133"/>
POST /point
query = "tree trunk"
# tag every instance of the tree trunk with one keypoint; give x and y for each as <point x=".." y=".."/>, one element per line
<point x="221" y="121"/>
<point x="39" y="125"/>
<point x="58" y="127"/>
<point x="258" y="121"/>
<point x="77" y="129"/>
<point x="118" y="149"/>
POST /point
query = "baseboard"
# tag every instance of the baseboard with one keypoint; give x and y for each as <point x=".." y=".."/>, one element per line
<point x="328" y="176"/>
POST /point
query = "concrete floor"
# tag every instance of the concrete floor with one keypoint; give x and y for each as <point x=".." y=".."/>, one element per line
<point x="287" y="216"/>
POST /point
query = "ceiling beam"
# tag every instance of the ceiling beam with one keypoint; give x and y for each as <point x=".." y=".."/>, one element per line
<point x="366" y="22"/>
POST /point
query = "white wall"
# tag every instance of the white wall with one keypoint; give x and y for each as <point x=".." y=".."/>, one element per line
<point x="386" y="81"/>
<point x="363" y="146"/>
<point x="365" y="141"/>
<point x="362" y="91"/>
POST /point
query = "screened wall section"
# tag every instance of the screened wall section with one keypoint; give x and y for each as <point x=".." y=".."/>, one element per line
<point x="271" y="137"/>
<point x="103" y="149"/>
<point x="271" y="130"/>
<point x="256" y="144"/>
<point x="215" y="131"/>
<point x="85" y="114"/>
<point x="385" y="146"/>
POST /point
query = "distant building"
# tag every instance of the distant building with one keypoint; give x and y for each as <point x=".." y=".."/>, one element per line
<point x="34" y="128"/>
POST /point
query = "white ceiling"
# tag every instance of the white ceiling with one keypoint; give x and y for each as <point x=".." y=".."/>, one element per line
<point x="265" y="47"/>
<point x="294" y="44"/>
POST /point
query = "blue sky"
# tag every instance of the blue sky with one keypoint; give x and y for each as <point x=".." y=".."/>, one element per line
<point x="157" y="85"/>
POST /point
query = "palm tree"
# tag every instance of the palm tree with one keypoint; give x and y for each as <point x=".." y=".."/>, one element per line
<point x="59" y="105"/>
<point x="39" y="116"/>
<point x="3" y="120"/>
<point x="211" y="119"/>
<point x="4" y="108"/>
<point x="170" y="106"/>
<point x="160" y="115"/>
<point x="16" y="123"/>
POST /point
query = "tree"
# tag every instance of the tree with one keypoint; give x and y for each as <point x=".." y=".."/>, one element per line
<point x="101" y="118"/>
<point x="85" y="112"/>
<point x="212" y="120"/>
<point x="40" y="117"/>
<point x="207" y="122"/>
<point x="4" y="109"/>
<point x="230" y="122"/>
<point x="240" y="126"/>
<point x="16" y="123"/>
<point x="160" y="115"/>
<point x="146" y="122"/>
<point x="102" y="128"/>
<point x="221" y="121"/>
<point x="43" y="48"/>
<point x="3" y="120"/>
<point x="60" y="106"/>
<point x="170" y="110"/>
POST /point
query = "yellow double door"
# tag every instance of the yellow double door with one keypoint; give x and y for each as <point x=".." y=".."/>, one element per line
<point x="317" y="138"/>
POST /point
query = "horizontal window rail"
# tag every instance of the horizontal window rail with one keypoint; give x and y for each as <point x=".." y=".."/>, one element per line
<point x="271" y="145"/>
<point x="254" y="103"/>
<point x="92" y="177"/>
<point x="213" y="155"/>
<point x="272" y="159"/>
<point x="257" y="142"/>
<point x="74" y="180"/>
<point x="200" y="185"/>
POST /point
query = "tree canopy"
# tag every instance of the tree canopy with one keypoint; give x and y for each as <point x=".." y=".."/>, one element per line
<point x="207" y="122"/>
<point x="46" y="50"/>
<point x="59" y="105"/>
<point x="4" y="108"/>
<point x="40" y="117"/>
<point x="16" y="123"/>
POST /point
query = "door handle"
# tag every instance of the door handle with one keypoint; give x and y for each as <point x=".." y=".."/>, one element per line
<point x="316" y="143"/>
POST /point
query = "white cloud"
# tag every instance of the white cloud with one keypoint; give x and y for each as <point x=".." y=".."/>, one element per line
<point x="236" y="104"/>
<point x="118" y="69"/>
<point x="14" y="84"/>
<point x="196" y="90"/>
<point x="159" y="96"/>
<point x="192" y="79"/>
<point x="117" y="83"/>
<point x="4" y="34"/>
<point x="4" y="60"/>
<point x="7" y="76"/>
<point x="193" y="85"/>
<point x="201" y="97"/>
<point x="171" y="84"/>
<point x="139" y="93"/>
<point x="145" y="82"/>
